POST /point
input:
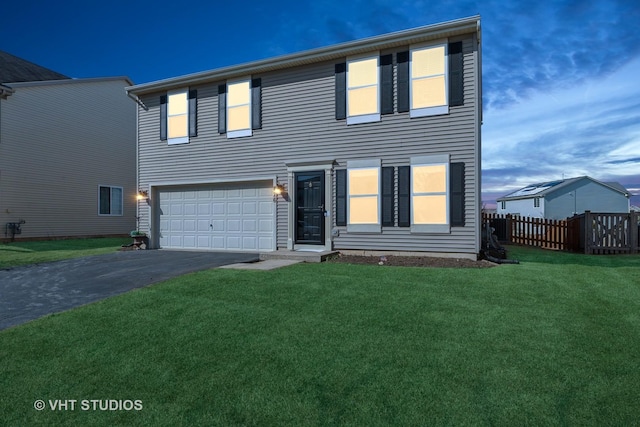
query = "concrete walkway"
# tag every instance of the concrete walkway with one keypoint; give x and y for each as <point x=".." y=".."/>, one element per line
<point x="33" y="291"/>
<point x="269" y="264"/>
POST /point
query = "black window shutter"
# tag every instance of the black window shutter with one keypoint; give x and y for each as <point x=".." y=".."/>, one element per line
<point x="404" y="196"/>
<point x="387" y="196"/>
<point x="386" y="87"/>
<point x="256" y="104"/>
<point x="456" y="78"/>
<point x="341" y="91"/>
<point x="456" y="195"/>
<point x="222" y="109"/>
<point x="163" y="117"/>
<point x="193" y="112"/>
<point x="341" y="197"/>
<point x="403" y="82"/>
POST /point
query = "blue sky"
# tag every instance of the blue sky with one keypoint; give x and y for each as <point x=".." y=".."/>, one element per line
<point x="560" y="77"/>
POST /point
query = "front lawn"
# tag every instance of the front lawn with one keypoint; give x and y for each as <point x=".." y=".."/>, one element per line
<point x="552" y="341"/>
<point x="22" y="253"/>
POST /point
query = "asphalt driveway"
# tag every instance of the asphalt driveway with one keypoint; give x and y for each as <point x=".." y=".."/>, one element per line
<point x="33" y="291"/>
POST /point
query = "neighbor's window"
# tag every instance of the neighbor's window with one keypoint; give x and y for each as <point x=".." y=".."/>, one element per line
<point x="177" y="117"/>
<point x="430" y="193"/>
<point x="429" y="80"/>
<point x="536" y="202"/>
<point x="363" y="195"/>
<point x="239" y="109"/>
<point x="110" y="200"/>
<point x="363" y="88"/>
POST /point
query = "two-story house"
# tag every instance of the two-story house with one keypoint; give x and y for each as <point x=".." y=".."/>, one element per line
<point x="370" y="145"/>
<point x="67" y="154"/>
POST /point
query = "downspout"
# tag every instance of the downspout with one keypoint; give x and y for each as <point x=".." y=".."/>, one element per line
<point x="139" y="104"/>
<point x="479" y="118"/>
<point x="5" y="92"/>
<point x="137" y="101"/>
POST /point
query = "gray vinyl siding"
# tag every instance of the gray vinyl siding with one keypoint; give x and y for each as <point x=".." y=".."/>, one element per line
<point x="59" y="143"/>
<point x="298" y="123"/>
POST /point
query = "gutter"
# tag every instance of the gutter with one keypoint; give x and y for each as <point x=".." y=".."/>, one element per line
<point x="342" y="50"/>
<point x="137" y="100"/>
<point x="71" y="81"/>
<point x="5" y="91"/>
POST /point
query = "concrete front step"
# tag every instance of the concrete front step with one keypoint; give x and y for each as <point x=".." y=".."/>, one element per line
<point x="304" y="256"/>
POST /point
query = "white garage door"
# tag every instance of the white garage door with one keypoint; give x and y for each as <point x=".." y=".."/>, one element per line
<point x="235" y="217"/>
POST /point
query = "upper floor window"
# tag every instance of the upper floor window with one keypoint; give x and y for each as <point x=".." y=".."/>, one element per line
<point x="109" y="200"/>
<point x="430" y="78"/>
<point x="363" y="90"/>
<point x="429" y="83"/>
<point x="178" y="116"/>
<point x="240" y="107"/>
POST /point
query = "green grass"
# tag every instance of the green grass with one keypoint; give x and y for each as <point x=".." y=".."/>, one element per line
<point x="552" y="341"/>
<point x="22" y="253"/>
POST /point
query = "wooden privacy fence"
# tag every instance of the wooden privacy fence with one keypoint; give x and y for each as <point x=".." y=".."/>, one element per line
<point x="544" y="233"/>
<point x="606" y="233"/>
<point x="591" y="233"/>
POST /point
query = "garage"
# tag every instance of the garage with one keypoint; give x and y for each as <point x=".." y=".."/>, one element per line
<point x="233" y="217"/>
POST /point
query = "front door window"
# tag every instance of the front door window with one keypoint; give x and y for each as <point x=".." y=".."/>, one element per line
<point x="310" y="207"/>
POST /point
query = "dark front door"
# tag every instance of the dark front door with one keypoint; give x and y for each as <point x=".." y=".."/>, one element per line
<point x="310" y="208"/>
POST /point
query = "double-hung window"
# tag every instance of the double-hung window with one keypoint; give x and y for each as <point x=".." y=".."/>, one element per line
<point x="429" y="80"/>
<point x="109" y="200"/>
<point x="430" y="194"/>
<point x="363" y="89"/>
<point x="178" y="116"/>
<point x="239" y="109"/>
<point x="363" y="195"/>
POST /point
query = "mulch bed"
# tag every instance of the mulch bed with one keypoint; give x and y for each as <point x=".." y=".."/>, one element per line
<point x="412" y="261"/>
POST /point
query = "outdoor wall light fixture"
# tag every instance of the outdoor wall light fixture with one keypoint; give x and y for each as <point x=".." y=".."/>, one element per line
<point x="278" y="190"/>
<point x="143" y="195"/>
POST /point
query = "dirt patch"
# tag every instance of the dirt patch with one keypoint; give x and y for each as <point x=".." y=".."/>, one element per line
<point x="412" y="261"/>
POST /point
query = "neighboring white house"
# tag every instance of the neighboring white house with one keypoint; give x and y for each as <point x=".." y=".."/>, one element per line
<point x="67" y="153"/>
<point x="565" y="198"/>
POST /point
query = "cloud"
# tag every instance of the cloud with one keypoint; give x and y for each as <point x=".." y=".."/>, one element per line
<point x="590" y="129"/>
<point x="533" y="46"/>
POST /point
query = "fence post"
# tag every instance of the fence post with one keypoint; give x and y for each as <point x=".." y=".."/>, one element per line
<point x="509" y="229"/>
<point x="588" y="237"/>
<point x="634" y="232"/>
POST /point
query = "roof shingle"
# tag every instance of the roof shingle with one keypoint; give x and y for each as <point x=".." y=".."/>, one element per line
<point x="14" y="70"/>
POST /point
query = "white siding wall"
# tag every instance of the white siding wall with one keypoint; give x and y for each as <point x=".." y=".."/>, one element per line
<point x="576" y="198"/>
<point x="58" y="143"/>
<point x="585" y="195"/>
<point x="522" y="207"/>
<point x="299" y="124"/>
